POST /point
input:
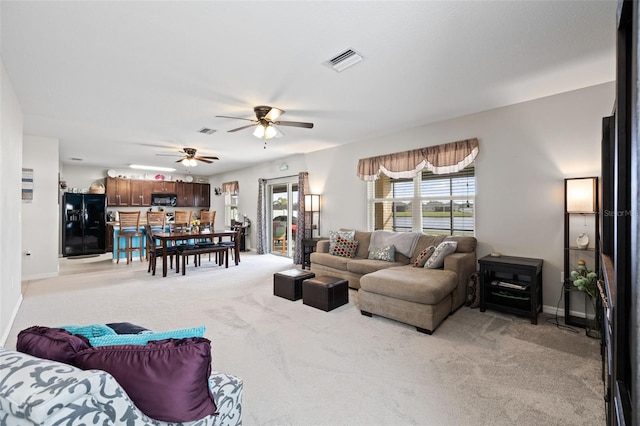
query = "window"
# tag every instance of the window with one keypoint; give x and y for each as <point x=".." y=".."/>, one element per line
<point x="428" y="203"/>
<point x="230" y="209"/>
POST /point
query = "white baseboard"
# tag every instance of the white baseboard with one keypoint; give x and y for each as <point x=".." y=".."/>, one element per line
<point x="5" y="334"/>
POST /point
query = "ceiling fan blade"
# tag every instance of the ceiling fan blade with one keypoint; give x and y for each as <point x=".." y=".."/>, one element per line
<point x="204" y="160"/>
<point x="243" y="127"/>
<point x="208" y="157"/>
<point x="294" y="124"/>
<point x="273" y="114"/>
<point x="237" y="118"/>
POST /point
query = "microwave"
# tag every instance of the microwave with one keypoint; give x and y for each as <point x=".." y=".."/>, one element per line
<point x="163" y="199"/>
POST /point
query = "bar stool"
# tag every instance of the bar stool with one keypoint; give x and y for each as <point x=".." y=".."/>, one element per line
<point x="129" y="229"/>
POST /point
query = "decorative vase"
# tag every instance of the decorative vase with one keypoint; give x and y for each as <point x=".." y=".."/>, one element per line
<point x="582" y="241"/>
<point x="593" y="316"/>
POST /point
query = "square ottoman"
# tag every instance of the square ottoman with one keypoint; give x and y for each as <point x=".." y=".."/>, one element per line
<point x="325" y="293"/>
<point x="288" y="284"/>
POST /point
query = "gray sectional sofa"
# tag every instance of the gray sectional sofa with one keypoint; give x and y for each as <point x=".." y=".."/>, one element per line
<point x="414" y="295"/>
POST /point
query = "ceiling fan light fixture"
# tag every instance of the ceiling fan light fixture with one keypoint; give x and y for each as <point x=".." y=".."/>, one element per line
<point x="193" y="162"/>
<point x="259" y="131"/>
<point x="270" y="132"/>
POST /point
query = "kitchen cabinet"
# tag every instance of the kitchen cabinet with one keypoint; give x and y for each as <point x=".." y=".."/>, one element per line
<point x="118" y="192"/>
<point x="201" y="194"/>
<point x="185" y="193"/>
<point x="163" y="186"/>
<point x="139" y="193"/>
<point x="122" y="192"/>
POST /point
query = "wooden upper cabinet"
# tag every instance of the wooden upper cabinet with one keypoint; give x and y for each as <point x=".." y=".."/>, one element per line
<point x="163" y="186"/>
<point x="123" y="192"/>
<point x="201" y="194"/>
<point x="118" y="192"/>
<point x="185" y="192"/>
<point x="140" y="193"/>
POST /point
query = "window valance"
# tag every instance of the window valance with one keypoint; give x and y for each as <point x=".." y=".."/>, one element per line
<point x="230" y="187"/>
<point x="440" y="159"/>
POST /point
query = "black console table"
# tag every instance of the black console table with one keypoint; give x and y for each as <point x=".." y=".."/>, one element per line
<point x="511" y="284"/>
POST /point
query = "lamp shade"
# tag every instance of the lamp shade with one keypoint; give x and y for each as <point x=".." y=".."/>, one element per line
<point x="580" y="195"/>
<point x="312" y="203"/>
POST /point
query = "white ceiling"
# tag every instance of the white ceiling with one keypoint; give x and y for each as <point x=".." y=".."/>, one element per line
<point x="119" y="82"/>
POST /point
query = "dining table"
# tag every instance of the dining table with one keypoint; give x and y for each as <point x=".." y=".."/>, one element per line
<point x="166" y="237"/>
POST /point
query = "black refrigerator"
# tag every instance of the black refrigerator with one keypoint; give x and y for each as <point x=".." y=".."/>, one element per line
<point x="83" y="224"/>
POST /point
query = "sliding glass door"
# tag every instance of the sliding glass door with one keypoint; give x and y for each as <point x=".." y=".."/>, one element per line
<point x="283" y="196"/>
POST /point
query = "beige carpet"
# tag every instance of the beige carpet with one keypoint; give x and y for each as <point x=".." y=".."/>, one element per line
<point x="303" y="366"/>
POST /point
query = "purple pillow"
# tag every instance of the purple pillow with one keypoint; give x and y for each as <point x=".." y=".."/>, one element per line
<point x="54" y="344"/>
<point x="167" y="379"/>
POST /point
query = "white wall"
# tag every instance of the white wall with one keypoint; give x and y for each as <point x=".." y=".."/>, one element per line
<point x="39" y="238"/>
<point x="11" y="123"/>
<point x="526" y="150"/>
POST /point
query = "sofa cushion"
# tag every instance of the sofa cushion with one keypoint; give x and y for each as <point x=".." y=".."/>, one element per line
<point x="420" y="285"/>
<point x="166" y="379"/>
<point x="128" y="328"/>
<point x="344" y="233"/>
<point x="387" y="253"/>
<point x="144" y="338"/>
<point x="465" y="244"/>
<point x="366" y="266"/>
<point x="424" y="255"/>
<point x="444" y="249"/>
<point x="330" y="261"/>
<point x="364" y="240"/>
<point x="344" y="248"/>
<point x="54" y="344"/>
<point x="89" y="331"/>
<point x="424" y="242"/>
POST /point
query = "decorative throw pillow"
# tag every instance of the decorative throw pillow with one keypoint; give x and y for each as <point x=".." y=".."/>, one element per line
<point x="144" y="338"/>
<point x="54" y="344"/>
<point x="443" y="250"/>
<point x="127" y="328"/>
<point x="167" y="379"/>
<point x="333" y="237"/>
<point x="344" y="248"/>
<point x="385" y="253"/>
<point x="89" y="331"/>
<point x="424" y="256"/>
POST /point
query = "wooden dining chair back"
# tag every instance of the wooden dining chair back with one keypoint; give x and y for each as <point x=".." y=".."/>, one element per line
<point x="207" y="219"/>
<point x="156" y="222"/>
<point x="129" y="229"/>
<point x="181" y="221"/>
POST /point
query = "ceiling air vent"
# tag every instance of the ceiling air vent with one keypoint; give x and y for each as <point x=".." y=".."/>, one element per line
<point x="344" y="60"/>
<point x="206" y="131"/>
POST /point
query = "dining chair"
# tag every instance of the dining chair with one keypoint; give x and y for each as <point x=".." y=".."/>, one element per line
<point x="154" y="250"/>
<point x="181" y="221"/>
<point x="207" y="220"/>
<point x="234" y="244"/>
<point x="129" y="229"/>
<point x="156" y="222"/>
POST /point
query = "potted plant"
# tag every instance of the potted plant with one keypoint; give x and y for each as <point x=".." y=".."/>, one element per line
<point x="587" y="281"/>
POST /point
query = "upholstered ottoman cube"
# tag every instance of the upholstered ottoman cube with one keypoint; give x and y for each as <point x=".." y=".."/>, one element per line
<point x="325" y="293"/>
<point x="288" y="284"/>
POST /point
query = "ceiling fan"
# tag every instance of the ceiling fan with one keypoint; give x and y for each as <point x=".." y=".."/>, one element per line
<point x="265" y="122"/>
<point x="189" y="157"/>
